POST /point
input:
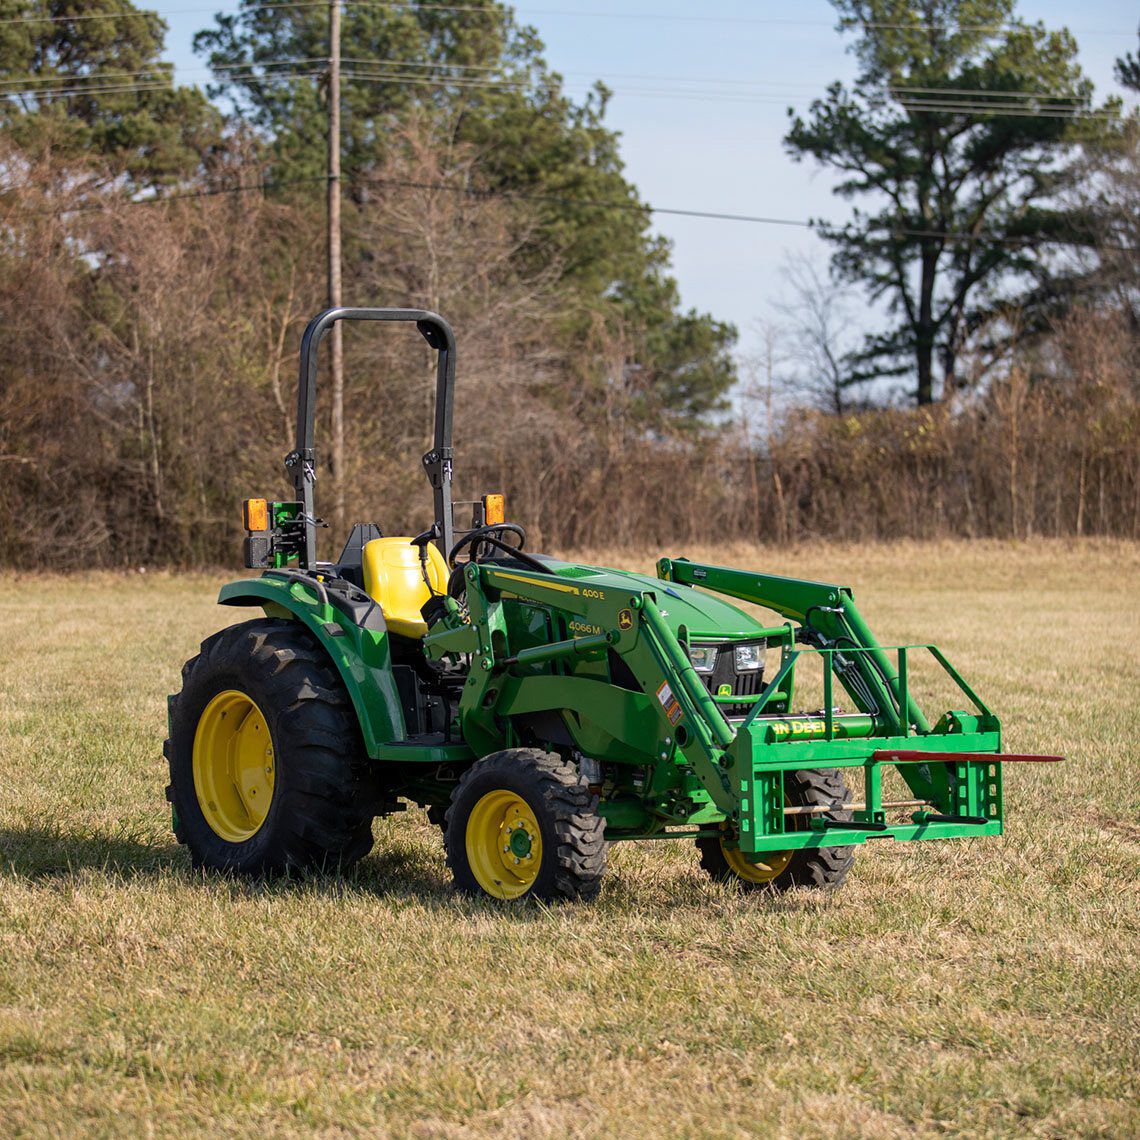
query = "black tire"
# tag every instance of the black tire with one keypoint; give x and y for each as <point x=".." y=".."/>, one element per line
<point x="319" y="816"/>
<point x="573" y="852"/>
<point x="823" y="868"/>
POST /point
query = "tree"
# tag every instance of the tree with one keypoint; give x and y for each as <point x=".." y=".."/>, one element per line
<point x="478" y="79"/>
<point x="949" y="134"/>
<point x="85" y="81"/>
<point x="1104" y="192"/>
<point x="819" y="320"/>
<point x="1119" y="209"/>
<point x="1128" y="71"/>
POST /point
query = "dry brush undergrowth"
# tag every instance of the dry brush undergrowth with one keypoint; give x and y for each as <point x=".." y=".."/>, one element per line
<point x="966" y="988"/>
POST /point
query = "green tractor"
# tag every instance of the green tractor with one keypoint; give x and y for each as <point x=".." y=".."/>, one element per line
<point x="541" y="710"/>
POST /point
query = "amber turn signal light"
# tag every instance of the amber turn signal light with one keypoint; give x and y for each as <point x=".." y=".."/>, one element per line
<point x="494" y="510"/>
<point x="255" y="513"/>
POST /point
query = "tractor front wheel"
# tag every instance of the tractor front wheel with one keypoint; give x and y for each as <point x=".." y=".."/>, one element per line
<point x="266" y="759"/>
<point x="523" y="823"/>
<point x="820" y="867"/>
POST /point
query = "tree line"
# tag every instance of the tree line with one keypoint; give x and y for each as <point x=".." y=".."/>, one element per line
<point x="161" y="248"/>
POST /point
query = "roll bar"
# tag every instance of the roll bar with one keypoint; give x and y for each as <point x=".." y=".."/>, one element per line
<point x="300" y="463"/>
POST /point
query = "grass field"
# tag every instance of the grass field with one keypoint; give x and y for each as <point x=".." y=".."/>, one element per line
<point x="974" y="988"/>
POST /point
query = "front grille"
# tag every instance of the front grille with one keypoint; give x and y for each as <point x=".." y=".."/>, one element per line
<point x="747" y="685"/>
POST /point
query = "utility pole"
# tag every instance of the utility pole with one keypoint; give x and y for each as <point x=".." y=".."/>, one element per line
<point x="336" y="341"/>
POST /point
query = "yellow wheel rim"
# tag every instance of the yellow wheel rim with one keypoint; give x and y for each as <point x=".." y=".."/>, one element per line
<point x="504" y="845"/>
<point x="775" y="864"/>
<point x="233" y="766"/>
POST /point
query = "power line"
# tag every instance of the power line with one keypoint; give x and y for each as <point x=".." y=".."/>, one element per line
<point x="966" y="100"/>
<point x="246" y="72"/>
<point x="155" y="72"/>
<point x="782" y="86"/>
<point x="980" y="110"/>
<point x="158" y="72"/>
<point x="267" y="187"/>
<point x="110" y="89"/>
<point x="151" y="80"/>
<point x="401" y="79"/>
<point x="135" y="88"/>
<point x="907" y="89"/>
<point x="233" y="70"/>
<point x="750" y="218"/>
<point x="553" y="199"/>
<point x="397" y="79"/>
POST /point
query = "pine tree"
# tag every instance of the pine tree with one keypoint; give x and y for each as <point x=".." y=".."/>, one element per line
<point x="84" y="80"/>
<point x="957" y="132"/>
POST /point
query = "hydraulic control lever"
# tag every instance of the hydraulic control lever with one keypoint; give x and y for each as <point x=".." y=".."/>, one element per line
<point x="420" y="542"/>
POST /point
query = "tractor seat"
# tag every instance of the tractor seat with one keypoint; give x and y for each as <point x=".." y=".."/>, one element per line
<point x="393" y="579"/>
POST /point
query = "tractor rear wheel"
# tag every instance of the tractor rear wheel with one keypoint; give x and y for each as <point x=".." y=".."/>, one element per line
<point x="267" y="769"/>
<point x="523" y="824"/>
<point x="819" y="867"/>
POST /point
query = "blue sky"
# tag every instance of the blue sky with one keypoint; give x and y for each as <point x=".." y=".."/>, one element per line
<point x="701" y="93"/>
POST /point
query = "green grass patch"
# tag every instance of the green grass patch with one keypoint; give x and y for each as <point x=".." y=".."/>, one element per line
<point x="970" y="988"/>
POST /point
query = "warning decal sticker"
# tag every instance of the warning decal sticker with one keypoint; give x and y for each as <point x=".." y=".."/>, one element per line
<point x="669" y="702"/>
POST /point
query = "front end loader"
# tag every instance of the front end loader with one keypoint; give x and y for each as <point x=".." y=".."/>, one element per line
<point x="541" y="709"/>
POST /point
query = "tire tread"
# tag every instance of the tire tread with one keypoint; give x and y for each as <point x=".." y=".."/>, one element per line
<point x="580" y="850"/>
<point x="820" y="868"/>
<point x="324" y="819"/>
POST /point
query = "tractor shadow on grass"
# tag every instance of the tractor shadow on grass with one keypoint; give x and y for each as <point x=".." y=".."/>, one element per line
<point x="402" y="868"/>
<point x="48" y="852"/>
<point x="39" y="852"/>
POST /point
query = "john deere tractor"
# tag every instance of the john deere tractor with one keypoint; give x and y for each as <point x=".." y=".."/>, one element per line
<point x="541" y="709"/>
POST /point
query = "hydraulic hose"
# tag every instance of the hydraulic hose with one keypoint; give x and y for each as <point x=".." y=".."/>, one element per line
<point x="861" y="634"/>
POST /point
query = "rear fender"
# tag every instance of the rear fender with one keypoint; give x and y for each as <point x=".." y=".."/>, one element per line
<point x="360" y="652"/>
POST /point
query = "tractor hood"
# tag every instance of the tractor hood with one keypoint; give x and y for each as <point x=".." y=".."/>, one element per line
<point x="705" y="616"/>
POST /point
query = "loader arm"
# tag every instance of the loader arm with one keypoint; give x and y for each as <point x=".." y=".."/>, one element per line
<point x="703" y="766"/>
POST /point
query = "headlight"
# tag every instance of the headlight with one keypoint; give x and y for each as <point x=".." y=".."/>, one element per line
<point x="749" y="658"/>
<point x="703" y="657"/>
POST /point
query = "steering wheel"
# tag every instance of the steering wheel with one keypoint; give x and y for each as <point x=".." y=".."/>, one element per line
<point x="487" y="535"/>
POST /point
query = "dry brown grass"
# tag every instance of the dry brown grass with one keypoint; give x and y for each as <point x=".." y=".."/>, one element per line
<point x="984" y="988"/>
